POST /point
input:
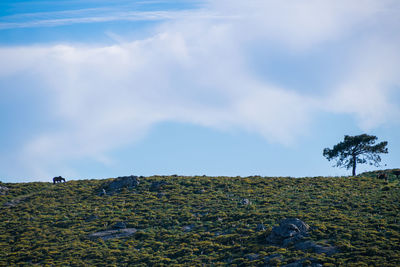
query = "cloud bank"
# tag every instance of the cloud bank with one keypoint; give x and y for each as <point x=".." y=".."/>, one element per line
<point x="199" y="70"/>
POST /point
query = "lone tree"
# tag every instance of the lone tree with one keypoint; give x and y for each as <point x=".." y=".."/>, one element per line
<point x="356" y="149"/>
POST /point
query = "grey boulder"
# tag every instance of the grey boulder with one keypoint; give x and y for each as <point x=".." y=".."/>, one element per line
<point x="3" y="190"/>
<point x="120" y="183"/>
<point x="289" y="231"/>
<point x="110" y="234"/>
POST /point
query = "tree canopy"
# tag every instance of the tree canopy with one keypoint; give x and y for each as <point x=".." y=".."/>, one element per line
<point x="356" y="149"/>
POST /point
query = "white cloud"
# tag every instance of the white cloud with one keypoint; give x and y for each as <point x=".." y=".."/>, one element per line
<point x="368" y="88"/>
<point x="196" y="70"/>
<point x="302" y="24"/>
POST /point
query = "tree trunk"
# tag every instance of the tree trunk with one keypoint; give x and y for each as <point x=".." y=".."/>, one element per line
<point x="354" y="165"/>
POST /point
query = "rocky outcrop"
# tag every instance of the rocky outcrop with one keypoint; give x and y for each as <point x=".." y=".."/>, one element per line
<point x="120" y="183"/>
<point x="117" y="230"/>
<point x="293" y="231"/>
<point x="3" y="190"/>
<point x="200" y="191"/>
<point x="109" y="234"/>
<point x="289" y="231"/>
<point x="15" y="201"/>
<point x="260" y="227"/>
<point x="245" y="201"/>
<point x="188" y="228"/>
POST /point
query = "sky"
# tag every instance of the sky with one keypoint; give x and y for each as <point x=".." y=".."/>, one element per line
<point x="97" y="89"/>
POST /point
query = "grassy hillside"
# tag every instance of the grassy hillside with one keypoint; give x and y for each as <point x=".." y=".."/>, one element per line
<point x="200" y="220"/>
<point x="391" y="174"/>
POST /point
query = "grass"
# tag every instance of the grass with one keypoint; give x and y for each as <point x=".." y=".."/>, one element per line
<point x="48" y="224"/>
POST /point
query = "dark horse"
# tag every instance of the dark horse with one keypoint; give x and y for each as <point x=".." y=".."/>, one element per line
<point x="58" y="179"/>
<point x="382" y="176"/>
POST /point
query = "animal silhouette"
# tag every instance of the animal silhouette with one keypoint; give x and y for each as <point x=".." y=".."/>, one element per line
<point x="58" y="179"/>
<point x="382" y="176"/>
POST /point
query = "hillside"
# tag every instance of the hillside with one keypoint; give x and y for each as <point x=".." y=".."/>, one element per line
<point x="193" y="221"/>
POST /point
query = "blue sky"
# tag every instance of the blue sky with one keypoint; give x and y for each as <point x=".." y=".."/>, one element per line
<point x="97" y="89"/>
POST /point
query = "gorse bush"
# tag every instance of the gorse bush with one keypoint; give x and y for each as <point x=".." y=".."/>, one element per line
<point x="191" y="221"/>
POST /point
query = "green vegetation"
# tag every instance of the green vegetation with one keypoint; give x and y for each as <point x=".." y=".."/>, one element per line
<point x="48" y="224"/>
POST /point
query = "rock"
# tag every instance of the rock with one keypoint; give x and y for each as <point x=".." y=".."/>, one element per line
<point x="119" y="225"/>
<point x="289" y="231"/>
<point x="109" y="234"/>
<point x="252" y="257"/>
<point x="294" y="264"/>
<point x="3" y="190"/>
<point x="119" y="183"/>
<point x="302" y="226"/>
<point x="260" y="227"/>
<point x="245" y="201"/>
<point x="229" y="260"/>
<point x="15" y="201"/>
<point x="103" y="192"/>
<point x="156" y="185"/>
<point x="11" y="203"/>
<point x="293" y="231"/>
<point x="188" y="228"/>
<point x="201" y="191"/>
<point x="310" y="245"/>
